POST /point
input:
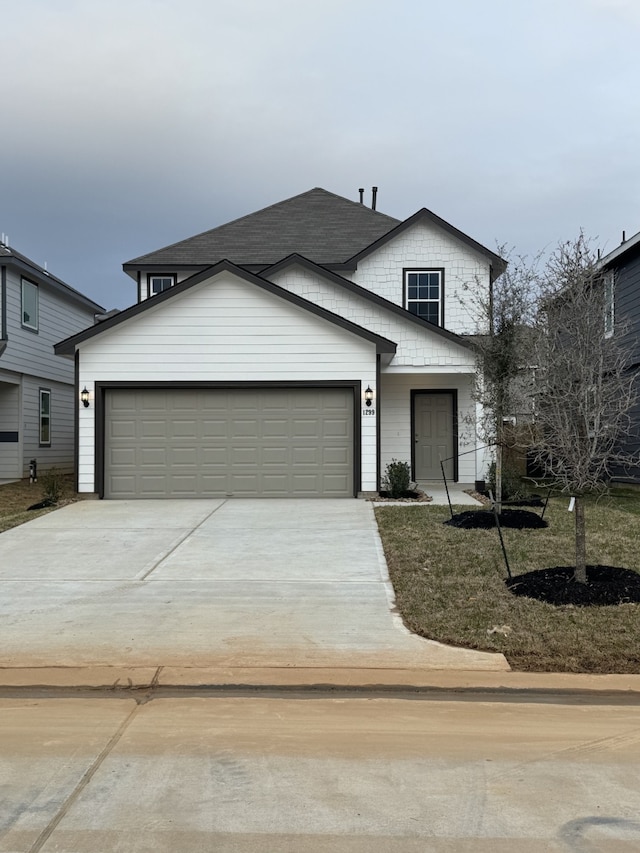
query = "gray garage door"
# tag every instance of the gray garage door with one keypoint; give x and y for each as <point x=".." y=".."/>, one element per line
<point x="180" y="443"/>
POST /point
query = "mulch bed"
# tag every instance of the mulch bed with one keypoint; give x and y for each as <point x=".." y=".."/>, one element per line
<point x="606" y="585"/>
<point x="410" y="497"/>
<point x="481" y="519"/>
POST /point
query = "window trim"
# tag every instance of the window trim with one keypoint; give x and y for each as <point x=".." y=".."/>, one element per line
<point x="44" y="393"/>
<point x="32" y="328"/>
<point x="405" y="290"/>
<point x="151" y="275"/>
<point x="609" y="301"/>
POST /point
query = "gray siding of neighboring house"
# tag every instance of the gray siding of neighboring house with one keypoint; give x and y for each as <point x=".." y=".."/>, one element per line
<point x="60" y="452"/>
<point x="9" y="430"/>
<point x="29" y="361"/>
<point x="627" y="311"/>
<point x="32" y="352"/>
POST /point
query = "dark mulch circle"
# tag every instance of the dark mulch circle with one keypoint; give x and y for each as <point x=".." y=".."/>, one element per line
<point x="482" y="519"/>
<point x="410" y="495"/>
<point x="42" y="505"/>
<point x="606" y="585"/>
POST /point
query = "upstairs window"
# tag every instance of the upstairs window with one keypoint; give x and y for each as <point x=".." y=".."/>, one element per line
<point x="29" y="305"/>
<point x="423" y="294"/>
<point x="45" y="417"/>
<point x="158" y="283"/>
<point x="609" y="303"/>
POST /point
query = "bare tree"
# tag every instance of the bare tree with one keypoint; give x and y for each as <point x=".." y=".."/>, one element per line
<point x="504" y="351"/>
<point x="585" y="387"/>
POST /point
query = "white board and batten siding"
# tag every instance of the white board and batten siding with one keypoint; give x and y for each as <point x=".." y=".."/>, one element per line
<point x="225" y="330"/>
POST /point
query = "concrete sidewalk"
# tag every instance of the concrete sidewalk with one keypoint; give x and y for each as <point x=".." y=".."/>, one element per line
<point x="143" y="588"/>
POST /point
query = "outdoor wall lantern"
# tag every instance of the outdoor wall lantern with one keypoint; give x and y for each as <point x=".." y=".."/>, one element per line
<point x="368" y="396"/>
<point x="84" y="396"/>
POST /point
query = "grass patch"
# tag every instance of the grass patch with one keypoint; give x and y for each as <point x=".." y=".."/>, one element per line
<point x="15" y="498"/>
<point x="449" y="585"/>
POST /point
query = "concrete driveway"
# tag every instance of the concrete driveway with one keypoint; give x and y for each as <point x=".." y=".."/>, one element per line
<point x="207" y="583"/>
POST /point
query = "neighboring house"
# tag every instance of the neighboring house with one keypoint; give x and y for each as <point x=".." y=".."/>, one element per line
<point x="292" y="352"/>
<point x="36" y="386"/>
<point x="621" y="277"/>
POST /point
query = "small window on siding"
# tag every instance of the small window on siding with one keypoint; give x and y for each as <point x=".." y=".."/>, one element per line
<point x="45" y="417"/>
<point x="159" y="283"/>
<point x="609" y="303"/>
<point x="423" y="294"/>
<point x="29" y="305"/>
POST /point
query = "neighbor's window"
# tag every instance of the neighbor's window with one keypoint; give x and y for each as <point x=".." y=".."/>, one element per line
<point x="45" y="417"/>
<point x="609" y="302"/>
<point x="29" y="305"/>
<point x="424" y="294"/>
<point x="158" y="283"/>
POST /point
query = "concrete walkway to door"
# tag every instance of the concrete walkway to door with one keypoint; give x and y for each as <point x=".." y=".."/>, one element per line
<point x="207" y="583"/>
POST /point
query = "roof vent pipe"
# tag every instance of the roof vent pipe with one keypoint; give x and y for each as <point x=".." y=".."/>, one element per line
<point x="374" y="193"/>
<point x="361" y="191"/>
<point x="624" y="236"/>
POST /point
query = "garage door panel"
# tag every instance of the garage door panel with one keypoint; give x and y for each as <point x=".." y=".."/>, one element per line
<point x="335" y="456"/>
<point x="154" y="456"/>
<point x="214" y="429"/>
<point x="271" y="442"/>
<point x="152" y="429"/>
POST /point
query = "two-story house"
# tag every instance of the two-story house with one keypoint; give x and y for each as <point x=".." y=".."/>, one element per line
<point x="621" y="279"/>
<point x="37" y="396"/>
<point x="293" y="352"/>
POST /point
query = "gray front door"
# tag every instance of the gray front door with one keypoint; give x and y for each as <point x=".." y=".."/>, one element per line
<point x="434" y="434"/>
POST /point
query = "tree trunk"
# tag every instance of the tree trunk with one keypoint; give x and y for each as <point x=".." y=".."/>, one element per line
<point x="498" y="500"/>
<point x="580" y="574"/>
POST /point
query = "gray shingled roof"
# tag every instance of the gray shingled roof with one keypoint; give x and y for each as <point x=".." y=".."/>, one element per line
<point x="30" y="268"/>
<point x="317" y="224"/>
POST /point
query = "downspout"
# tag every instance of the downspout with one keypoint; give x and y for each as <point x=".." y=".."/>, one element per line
<point x="76" y="415"/>
<point x="3" y="307"/>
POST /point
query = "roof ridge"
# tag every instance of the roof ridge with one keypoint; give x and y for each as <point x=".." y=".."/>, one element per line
<point x="278" y="204"/>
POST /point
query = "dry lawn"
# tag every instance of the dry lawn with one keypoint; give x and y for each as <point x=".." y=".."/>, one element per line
<point x="15" y="498"/>
<point x="449" y="585"/>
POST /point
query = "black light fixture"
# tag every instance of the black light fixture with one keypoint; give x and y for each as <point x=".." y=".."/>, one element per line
<point x="84" y="396"/>
<point x="368" y="396"/>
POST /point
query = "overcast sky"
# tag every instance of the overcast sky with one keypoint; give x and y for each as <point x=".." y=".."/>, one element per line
<point x="130" y="124"/>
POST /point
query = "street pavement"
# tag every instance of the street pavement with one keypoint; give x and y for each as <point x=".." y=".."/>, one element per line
<point x="320" y="774"/>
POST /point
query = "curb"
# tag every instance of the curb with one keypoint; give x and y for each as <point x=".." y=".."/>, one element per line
<point x="310" y="678"/>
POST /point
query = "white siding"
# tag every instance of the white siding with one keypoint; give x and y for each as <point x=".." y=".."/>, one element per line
<point x="424" y="247"/>
<point x="417" y="347"/>
<point x="395" y="418"/>
<point x="225" y="329"/>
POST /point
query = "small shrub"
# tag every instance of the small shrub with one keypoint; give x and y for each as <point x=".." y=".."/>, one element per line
<point x="397" y="478"/>
<point x="513" y="489"/>
<point x="52" y="482"/>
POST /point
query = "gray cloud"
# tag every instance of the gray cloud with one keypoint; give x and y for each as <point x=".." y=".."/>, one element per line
<point x="129" y="125"/>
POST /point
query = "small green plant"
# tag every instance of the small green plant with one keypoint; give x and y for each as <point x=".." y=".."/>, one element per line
<point x="513" y="489"/>
<point x="396" y="479"/>
<point x="52" y="483"/>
